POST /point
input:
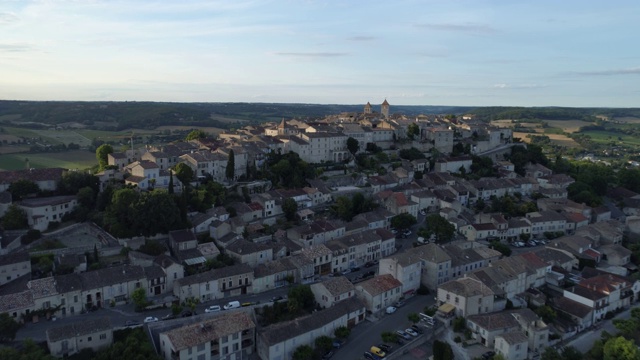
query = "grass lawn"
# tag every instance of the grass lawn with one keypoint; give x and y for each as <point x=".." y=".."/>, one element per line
<point x="606" y="137"/>
<point x="67" y="160"/>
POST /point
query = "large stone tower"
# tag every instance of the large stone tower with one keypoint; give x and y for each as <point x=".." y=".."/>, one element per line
<point x="384" y="108"/>
<point x="367" y="108"/>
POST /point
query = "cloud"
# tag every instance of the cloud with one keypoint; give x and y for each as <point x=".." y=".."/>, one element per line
<point x="7" y="18"/>
<point x="311" y="54"/>
<point x="613" y="72"/>
<point x="361" y="38"/>
<point x="465" y="27"/>
<point x="15" y="47"/>
<point x="518" y="86"/>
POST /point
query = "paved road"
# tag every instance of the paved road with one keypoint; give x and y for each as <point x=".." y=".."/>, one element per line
<point x="368" y="333"/>
<point x="119" y="315"/>
<point x="584" y="342"/>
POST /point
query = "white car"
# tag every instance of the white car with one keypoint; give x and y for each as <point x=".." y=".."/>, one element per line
<point x="411" y="332"/>
<point x="150" y="319"/>
<point x="212" y="308"/>
<point x="391" y="309"/>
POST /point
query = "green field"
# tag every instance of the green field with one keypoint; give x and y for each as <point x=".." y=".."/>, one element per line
<point x="68" y="160"/>
<point x="606" y="137"/>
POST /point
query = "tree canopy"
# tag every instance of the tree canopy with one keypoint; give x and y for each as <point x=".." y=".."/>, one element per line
<point x="20" y="189"/>
<point x="231" y="166"/>
<point x="102" y="153"/>
<point x="195" y="135"/>
<point x="184" y="173"/>
<point x="353" y="145"/>
<point x="14" y="218"/>
<point x="403" y="221"/>
<point x="440" y="227"/>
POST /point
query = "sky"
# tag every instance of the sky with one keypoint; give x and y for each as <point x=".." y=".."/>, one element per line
<point x="467" y="53"/>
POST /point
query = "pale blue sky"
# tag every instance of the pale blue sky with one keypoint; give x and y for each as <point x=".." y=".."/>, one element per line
<point x="530" y="53"/>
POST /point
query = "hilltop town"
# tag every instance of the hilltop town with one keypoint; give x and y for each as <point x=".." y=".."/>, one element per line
<point x="258" y="241"/>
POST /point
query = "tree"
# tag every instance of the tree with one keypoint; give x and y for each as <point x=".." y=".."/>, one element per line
<point x="440" y="227"/>
<point x="412" y="130"/>
<point x="102" y="155"/>
<point x="28" y="351"/>
<point x="72" y="181"/>
<point x="8" y="328"/>
<point x="134" y="345"/>
<point x="304" y="352"/>
<point x="86" y="197"/>
<point x="619" y="348"/>
<point x="547" y="313"/>
<point x="289" y="207"/>
<point x="353" y="145"/>
<point x="195" y="135"/>
<point x="389" y="337"/>
<point x="502" y="248"/>
<point x="342" y="208"/>
<point x="139" y="298"/>
<point x="342" y="332"/>
<point x="20" y="189"/>
<point x="304" y="296"/>
<point x="184" y="173"/>
<point x="14" y="218"/>
<point x="442" y="351"/>
<point x="323" y="343"/>
<point x="571" y="353"/>
<point x="550" y="354"/>
<point x="414" y="318"/>
<point x="170" y="188"/>
<point x="403" y="221"/>
<point x="231" y="166"/>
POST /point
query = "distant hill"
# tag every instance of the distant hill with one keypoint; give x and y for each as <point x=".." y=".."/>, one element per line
<point x="150" y="115"/>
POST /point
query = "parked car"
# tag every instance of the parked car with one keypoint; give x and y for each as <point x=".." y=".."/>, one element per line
<point x="370" y="356"/>
<point x="150" y="319"/>
<point x="391" y="309"/>
<point x="232" y="305"/>
<point x="488" y="355"/>
<point x="399" y="304"/>
<point x="132" y="323"/>
<point x="327" y="355"/>
<point x="531" y="243"/>
<point x="399" y="340"/>
<point x="186" y="313"/>
<point x="417" y="329"/>
<point x="422" y="212"/>
<point x="355" y="268"/>
<point x="212" y="308"/>
<point x="337" y="343"/>
<point x="407" y="232"/>
<point x="277" y="298"/>
<point x="369" y="273"/>
<point x="247" y="304"/>
<point x="403" y="335"/>
<point x="369" y="264"/>
<point x="385" y="347"/>
<point x="394" y="231"/>
<point x="411" y="332"/>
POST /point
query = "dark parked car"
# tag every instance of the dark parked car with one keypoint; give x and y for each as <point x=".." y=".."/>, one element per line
<point x="370" y="356"/>
<point x="168" y="317"/>
<point x="337" y="343"/>
<point x="186" y="313"/>
<point x="386" y="348"/>
<point x="488" y="355"/>
<point x="355" y="268"/>
<point x="417" y="329"/>
<point x="369" y="264"/>
<point x="327" y="355"/>
<point x="276" y="298"/>
<point x="399" y="304"/>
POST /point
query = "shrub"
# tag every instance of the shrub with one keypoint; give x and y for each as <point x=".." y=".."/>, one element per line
<point x="457" y="339"/>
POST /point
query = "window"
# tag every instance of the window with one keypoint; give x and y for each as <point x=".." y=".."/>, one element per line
<point x="103" y="336"/>
<point x="89" y="338"/>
